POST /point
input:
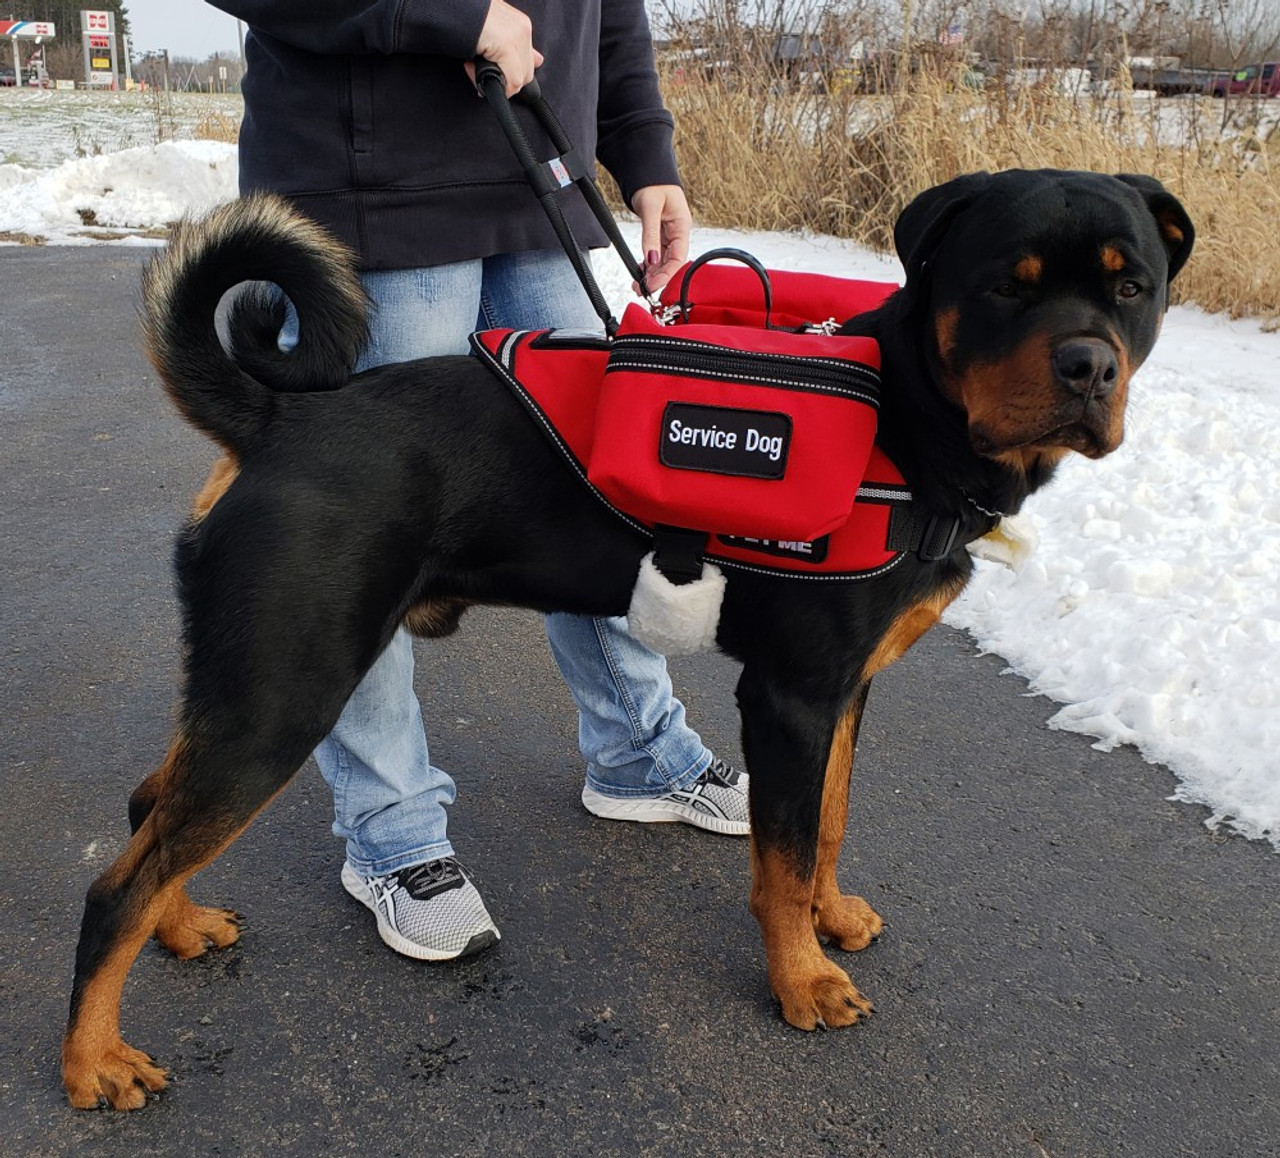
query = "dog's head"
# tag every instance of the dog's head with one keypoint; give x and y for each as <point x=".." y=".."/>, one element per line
<point x="1045" y="291"/>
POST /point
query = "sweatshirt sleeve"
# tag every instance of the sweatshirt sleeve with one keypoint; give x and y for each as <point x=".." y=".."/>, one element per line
<point x="440" y="27"/>
<point x="635" y="129"/>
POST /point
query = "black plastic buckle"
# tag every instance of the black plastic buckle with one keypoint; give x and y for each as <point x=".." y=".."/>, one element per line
<point x="948" y="529"/>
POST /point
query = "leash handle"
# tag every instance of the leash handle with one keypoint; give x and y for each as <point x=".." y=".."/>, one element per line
<point x="684" y="305"/>
<point x="549" y="177"/>
<point x="531" y="95"/>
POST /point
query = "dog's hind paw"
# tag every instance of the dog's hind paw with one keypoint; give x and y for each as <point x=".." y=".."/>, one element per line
<point x="847" y="922"/>
<point x="187" y="930"/>
<point x="826" y="999"/>
<point x="119" y="1077"/>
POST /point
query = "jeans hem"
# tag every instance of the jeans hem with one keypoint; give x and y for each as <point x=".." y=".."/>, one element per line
<point x="674" y="784"/>
<point x="402" y="860"/>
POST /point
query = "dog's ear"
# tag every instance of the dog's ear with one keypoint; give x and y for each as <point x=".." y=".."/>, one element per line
<point x="1176" y="230"/>
<point x="922" y="225"/>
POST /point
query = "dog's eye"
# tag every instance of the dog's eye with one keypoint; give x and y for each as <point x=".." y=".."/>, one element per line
<point x="1005" y="289"/>
<point x="1129" y="289"/>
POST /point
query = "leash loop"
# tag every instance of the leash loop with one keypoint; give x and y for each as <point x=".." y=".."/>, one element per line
<point x="549" y="177"/>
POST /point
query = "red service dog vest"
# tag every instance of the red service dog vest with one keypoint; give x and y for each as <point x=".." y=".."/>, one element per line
<point x="762" y="438"/>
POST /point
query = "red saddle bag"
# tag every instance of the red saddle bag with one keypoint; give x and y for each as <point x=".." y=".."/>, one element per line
<point x="734" y="426"/>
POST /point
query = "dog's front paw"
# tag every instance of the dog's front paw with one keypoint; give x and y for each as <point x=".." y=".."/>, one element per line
<point x="824" y="997"/>
<point x="188" y="930"/>
<point x="118" y="1076"/>
<point x="847" y="922"/>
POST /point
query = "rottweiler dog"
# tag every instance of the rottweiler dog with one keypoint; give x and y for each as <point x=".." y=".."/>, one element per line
<point x="344" y="507"/>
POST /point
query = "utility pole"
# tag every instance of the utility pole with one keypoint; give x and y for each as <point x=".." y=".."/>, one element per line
<point x="904" y="59"/>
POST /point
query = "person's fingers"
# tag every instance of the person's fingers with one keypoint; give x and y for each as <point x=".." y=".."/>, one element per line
<point x="512" y="88"/>
<point x="665" y="230"/>
<point x="674" y="252"/>
<point x="506" y="38"/>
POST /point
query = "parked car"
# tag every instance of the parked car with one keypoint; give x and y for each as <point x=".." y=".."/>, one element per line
<point x="1169" y="80"/>
<point x="1252" y="80"/>
<point x="6" y="78"/>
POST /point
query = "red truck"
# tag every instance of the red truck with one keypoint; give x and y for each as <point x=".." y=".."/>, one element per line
<point x="1252" y="80"/>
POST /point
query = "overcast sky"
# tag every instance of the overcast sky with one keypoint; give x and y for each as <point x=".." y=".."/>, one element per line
<point x="191" y="28"/>
<point x="185" y="27"/>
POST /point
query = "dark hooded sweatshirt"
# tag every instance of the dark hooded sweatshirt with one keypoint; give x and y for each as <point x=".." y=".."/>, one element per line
<point x="361" y="114"/>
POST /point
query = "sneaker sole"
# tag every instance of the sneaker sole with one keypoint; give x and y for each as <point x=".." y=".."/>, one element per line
<point x="400" y="943"/>
<point x="650" y="811"/>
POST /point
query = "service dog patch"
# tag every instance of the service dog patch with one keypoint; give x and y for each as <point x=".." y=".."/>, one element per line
<point x="724" y="440"/>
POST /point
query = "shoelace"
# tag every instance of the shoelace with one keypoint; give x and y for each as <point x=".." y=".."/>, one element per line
<point x="434" y="872"/>
<point x="719" y="772"/>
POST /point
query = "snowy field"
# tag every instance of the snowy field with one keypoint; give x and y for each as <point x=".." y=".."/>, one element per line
<point x="40" y="129"/>
<point x="1150" y="610"/>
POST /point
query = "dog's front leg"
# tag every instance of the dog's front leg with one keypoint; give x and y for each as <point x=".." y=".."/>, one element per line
<point x="846" y="921"/>
<point x="786" y="742"/>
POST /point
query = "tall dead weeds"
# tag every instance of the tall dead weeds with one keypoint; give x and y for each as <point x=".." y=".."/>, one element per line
<point x="758" y="153"/>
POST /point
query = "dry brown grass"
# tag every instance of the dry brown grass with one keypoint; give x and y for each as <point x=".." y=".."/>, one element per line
<point x="217" y="126"/>
<point x="12" y="238"/>
<point x="845" y="164"/>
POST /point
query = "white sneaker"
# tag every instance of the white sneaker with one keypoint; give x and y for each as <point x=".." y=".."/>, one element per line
<point x="716" y="801"/>
<point x="430" y="911"/>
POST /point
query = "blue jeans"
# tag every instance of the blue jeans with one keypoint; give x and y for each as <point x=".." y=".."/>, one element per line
<point x="389" y="800"/>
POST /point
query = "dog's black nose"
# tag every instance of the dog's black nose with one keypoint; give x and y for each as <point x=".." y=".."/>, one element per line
<point x="1087" y="366"/>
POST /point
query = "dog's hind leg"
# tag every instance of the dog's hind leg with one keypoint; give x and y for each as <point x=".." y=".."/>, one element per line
<point x="787" y="742"/>
<point x="203" y="796"/>
<point x="184" y="928"/>
<point x="846" y="921"/>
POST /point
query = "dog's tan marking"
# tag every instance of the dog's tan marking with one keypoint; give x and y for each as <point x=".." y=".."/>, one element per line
<point x="1029" y="269"/>
<point x="1170" y="230"/>
<point x="1013" y="394"/>
<point x="811" y="989"/>
<point x="908" y="627"/>
<point x="435" y="618"/>
<point x="846" y="921"/>
<point x="221" y="475"/>
<point x="944" y="328"/>
<point x="1112" y="259"/>
<point x="1119" y="399"/>
<point x="188" y="930"/>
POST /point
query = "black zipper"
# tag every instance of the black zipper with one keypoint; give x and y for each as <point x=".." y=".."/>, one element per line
<point x="683" y="358"/>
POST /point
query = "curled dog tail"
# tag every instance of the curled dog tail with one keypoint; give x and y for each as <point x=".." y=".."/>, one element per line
<point x="230" y="393"/>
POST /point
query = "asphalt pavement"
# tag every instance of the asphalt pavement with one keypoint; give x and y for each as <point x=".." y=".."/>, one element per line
<point x="1072" y="966"/>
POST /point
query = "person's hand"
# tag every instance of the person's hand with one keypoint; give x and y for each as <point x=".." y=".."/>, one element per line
<point x="507" y="40"/>
<point x="665" y="226"/>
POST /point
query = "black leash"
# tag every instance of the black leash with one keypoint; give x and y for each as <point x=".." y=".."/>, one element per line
<point x="547" y="178"/>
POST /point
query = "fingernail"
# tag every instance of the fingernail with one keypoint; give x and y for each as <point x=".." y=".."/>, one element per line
<point x="652" y="257"/>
